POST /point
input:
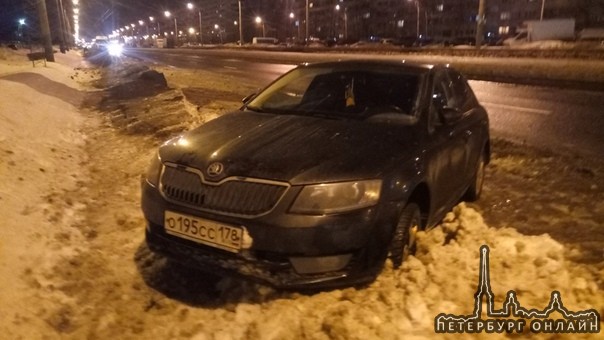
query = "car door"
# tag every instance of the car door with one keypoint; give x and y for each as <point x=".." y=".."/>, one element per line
<point x="470" y="124"/>
<point x="448" y="144"/>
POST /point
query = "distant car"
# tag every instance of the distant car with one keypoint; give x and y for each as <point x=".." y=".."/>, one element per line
<point x="322" y="176"/>
<point x="101" y="50"/>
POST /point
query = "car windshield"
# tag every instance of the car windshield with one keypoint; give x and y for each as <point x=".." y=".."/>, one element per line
<point x="332" y="92"/>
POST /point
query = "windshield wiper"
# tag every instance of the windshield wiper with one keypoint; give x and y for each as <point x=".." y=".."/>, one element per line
<point x="321" y="115"/>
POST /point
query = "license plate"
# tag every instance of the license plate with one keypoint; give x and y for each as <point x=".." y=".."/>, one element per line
<point x="203" y="231"/>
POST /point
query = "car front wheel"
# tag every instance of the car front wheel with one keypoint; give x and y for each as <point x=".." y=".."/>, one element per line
<point x="403" y="241"/>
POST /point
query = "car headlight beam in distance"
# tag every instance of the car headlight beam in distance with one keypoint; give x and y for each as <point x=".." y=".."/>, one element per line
<point x="331" y="198"/>
<point x="114" y="49"/>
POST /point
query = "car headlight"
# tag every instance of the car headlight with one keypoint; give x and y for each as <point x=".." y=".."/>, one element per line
<point x="114" y="49"/>
<point x="333" y="198"/>
<point x="154" y="170"/>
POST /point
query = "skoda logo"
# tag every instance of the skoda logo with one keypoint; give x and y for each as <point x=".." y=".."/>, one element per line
<point x="215" y="169"/>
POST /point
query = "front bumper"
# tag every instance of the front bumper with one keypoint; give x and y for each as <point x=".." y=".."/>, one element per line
<point x="282" y="243"/>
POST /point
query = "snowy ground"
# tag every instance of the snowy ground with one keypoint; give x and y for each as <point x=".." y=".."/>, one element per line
<point x="73" y="263"/>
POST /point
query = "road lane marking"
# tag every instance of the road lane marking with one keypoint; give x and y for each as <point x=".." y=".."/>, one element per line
<point x="518" y="108"/>
<point x="230" y="67"/>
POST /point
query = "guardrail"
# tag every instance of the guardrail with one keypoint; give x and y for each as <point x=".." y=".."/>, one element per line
<point x="587" y="51"/>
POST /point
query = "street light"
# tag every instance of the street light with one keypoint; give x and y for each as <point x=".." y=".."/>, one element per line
<point x="260" y="22"/>
<point x="190" y="6"/>
<point x="291" y="21"/>
<point x="345" y="20"/>
<point x="337" y="24"/>
<point x="20" y="30"/>
<point x="168" y="14"/>
<point x="219" y="31"/>
<point x="142" y="23"/>
<point x="151" y="19"/>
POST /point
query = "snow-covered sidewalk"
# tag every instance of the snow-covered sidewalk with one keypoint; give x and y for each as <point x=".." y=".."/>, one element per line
<point x="41" y="156"/>
<point x="73" y="264"/>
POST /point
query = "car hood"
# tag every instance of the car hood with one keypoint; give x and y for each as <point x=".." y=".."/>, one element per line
<point x="292" y="148"/>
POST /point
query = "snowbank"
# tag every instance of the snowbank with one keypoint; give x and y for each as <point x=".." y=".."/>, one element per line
<point x="442" y="278"/>
<point x="41" y="148"/>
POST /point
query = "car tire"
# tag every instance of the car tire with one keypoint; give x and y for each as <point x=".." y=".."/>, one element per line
<point x="475" y="188"/>
<point x="403" y="241"/>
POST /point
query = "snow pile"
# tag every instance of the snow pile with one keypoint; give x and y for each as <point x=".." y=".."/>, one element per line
<point x="403" y="303"/>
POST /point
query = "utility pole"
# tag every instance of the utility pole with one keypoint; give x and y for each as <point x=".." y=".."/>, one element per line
<point x="200" y="29"/>
<point x="542" y="9"/>
<point x="66" y="28"/>
<point x="306" y="36"/>
<point x="61" y="28"/>
<point x="45" y="30"/>
<point x="240" y="26"/>
<point x="480" y="22"/>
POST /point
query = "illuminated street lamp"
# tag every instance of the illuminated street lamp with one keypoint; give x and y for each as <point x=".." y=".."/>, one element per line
<point x="345" y="20"/>
<point x="20" y="30"/>
<point x="168" y="15"/>
<point x="291" y="22"/>
<point x="219" y="31"/>
<point x="260" y="22"/>
<point x="152" y="19"/>
<point x="190" y="6"/>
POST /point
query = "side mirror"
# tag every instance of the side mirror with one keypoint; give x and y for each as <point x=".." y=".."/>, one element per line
<point x="248" y="98"/>
<point x="451" y="114"/>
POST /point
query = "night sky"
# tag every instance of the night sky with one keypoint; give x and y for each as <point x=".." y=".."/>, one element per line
<point x="10" y="12"/>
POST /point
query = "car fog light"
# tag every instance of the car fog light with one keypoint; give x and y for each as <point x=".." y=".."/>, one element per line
<point x="322" y="264"/>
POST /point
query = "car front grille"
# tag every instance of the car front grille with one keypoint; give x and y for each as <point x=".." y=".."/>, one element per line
<point x="232" y="196"/>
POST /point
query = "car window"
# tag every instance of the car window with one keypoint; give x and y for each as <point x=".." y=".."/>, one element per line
<point x="356" y="94"/>
<point x="290" y="94"/>
<point x="463" y="96"/>
<point x="443" y="93"/>
<point x="442" y="96"/>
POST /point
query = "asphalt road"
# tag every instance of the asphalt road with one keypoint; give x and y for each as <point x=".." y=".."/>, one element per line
<point x="553" y="118"/>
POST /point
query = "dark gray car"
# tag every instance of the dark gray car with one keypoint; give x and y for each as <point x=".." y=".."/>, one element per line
<point x="322" y="176"/>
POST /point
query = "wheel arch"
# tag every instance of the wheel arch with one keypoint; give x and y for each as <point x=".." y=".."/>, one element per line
<point x="487" y="152"/>
<point x="421" y="196"/>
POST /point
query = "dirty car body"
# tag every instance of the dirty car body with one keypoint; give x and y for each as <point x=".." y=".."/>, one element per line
<point x="320" y="177"/>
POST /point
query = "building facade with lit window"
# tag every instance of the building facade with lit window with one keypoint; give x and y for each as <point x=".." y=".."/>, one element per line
<point x="354" y="20"/>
